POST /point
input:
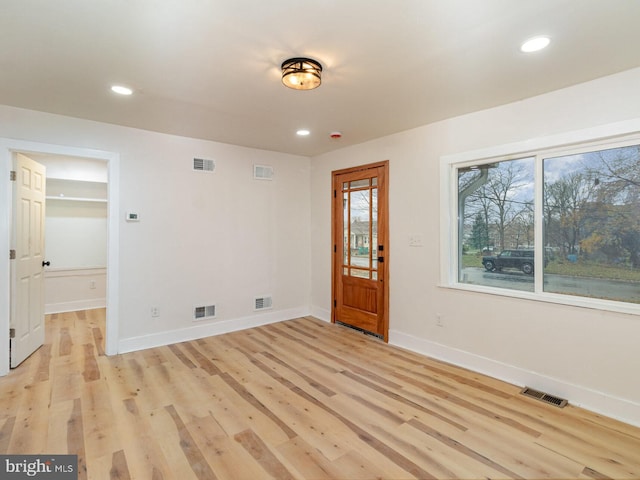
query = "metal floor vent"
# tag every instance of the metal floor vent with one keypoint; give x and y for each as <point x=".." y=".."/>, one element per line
<point x="207" y="311"/>
<point x="203" y="165"/>
<point x="544" y="397"/>
<point x="263" y="303"/>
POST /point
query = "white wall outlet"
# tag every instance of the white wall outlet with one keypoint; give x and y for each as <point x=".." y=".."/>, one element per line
<point x="439" y="321"/>
<point x="155" y="312"/>
<point x="92" y="284"/>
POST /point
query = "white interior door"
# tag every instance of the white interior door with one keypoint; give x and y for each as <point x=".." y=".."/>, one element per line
<point x="27" y="269"/>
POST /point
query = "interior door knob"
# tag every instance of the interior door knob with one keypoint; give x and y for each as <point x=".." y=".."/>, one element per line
<point x="45" y="264"/>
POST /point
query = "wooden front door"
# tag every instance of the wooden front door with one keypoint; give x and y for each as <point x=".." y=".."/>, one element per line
<point x="361" y="248"/>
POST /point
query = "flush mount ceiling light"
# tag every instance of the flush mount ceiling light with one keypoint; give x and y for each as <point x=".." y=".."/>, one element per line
<point x="303" y="132"/>
<point x="535" y="44"/>
<point x="301" y="73"/>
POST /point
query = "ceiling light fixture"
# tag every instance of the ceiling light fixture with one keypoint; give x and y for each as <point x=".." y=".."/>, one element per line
<point x="301" y="73"/>
<point x="303" y="132"/>
<point x="121" y="90"/>
<point x="535" y="44"/>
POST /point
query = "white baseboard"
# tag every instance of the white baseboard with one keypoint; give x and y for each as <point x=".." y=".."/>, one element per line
<point x="321" y="313"/>
<point x="75" y="306"/>
<point x="208" y="329"/>
<point x="618" y="408"/>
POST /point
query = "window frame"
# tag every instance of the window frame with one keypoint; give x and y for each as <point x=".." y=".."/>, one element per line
<point x="619" y="134"/>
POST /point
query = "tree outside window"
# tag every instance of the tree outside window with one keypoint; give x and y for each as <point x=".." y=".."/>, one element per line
<point x="592" y="223"/>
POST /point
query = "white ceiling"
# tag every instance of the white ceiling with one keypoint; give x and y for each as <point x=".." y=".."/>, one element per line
<point x="210" y="68"/>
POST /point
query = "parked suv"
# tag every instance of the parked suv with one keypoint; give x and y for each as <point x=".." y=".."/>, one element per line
<point x="519" y="259"/>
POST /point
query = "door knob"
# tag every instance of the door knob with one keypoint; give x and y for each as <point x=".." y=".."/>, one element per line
<point x="45" y="264"/>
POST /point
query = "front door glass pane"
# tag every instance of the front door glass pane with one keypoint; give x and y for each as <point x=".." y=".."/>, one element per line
<point x="356" y="272"/>
<point x="360" y="255"/>
<point x="360" y="183"/>
<point x="345" y="223"/>
<point x="374" y="228"/>
<point x="360" y="227"/>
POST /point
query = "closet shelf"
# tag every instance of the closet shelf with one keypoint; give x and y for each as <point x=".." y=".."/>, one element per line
<point x="76" y="191"/>
<point x="64" y="180"/>
<point x="77" y="199"/>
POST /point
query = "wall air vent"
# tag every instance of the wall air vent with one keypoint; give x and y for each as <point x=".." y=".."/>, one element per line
<point x="203" y="165"/>
<point x="262" y="172"/>
<point x="205" y="312"/>
<point x="544" y="397"/>
<point x="263" y="303"/>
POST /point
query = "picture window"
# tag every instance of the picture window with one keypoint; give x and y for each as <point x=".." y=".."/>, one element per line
<point x="560" y="224"/>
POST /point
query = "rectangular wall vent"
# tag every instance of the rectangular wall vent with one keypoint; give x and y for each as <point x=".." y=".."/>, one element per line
<point x="207" y="311"/>
<point x="262" y="172"/>
<point x="544" y="397"/>
<point x="263" y="303"/>
<point x="203" y="165"/>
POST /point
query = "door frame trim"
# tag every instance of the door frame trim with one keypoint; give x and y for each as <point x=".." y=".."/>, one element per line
<point x="7" y="148"/>
<point x="334" y="257"/>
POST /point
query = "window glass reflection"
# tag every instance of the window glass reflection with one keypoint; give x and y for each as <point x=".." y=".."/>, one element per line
<point x="592" y="224"/>
<point x="496" y="229"/>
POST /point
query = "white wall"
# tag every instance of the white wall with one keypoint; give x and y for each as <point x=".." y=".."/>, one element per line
<point x="76" y="246"/>
<point x="220" y="238"/>
<point x="76" y="234"/>
<point x="73" y="168"/>
<point x="73" y="289"/>
<point x="589" y="356"/>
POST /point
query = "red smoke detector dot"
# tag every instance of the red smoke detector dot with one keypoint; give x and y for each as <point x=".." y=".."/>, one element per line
<point x="335" y="135"/>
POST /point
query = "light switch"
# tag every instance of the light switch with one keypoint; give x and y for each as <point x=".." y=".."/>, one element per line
<point x="132" y="217"/>
<point x="416" y="241"/>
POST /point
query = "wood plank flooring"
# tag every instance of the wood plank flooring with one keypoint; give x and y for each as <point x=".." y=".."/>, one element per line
<point x="300" y="399"/>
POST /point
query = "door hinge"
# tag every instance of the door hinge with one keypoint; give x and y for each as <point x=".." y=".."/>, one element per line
<point x="12" y="176"/>
<point x="335" y="249"/>
<point x="335" y="303"/>
<point x="12" y="333"/>
<point x="12" y="254"/>
<point x="335" y="194"/>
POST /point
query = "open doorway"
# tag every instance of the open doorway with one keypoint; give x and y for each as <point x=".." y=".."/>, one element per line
<point x="75" y="233"/>
<point x="109" y="162"/>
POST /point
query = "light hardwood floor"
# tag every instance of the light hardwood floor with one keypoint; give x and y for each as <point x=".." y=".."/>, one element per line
<point x="301" y="399"/>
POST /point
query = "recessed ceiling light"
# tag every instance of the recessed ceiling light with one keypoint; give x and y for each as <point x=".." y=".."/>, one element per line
<point x="303" y="132"/>
<point x="534" y="44"/>
<point x="121" y="90"/>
